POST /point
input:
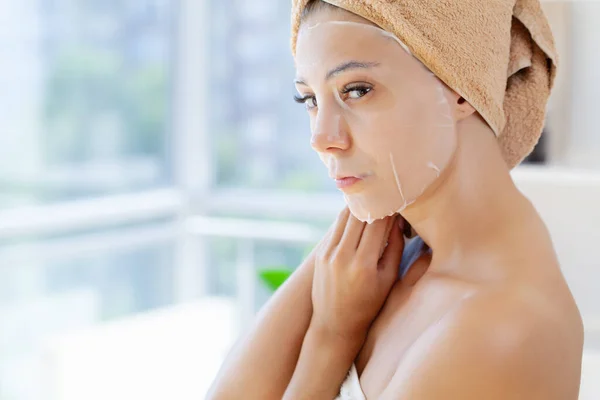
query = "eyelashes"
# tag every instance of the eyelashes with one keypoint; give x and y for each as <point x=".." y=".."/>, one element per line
<point x="309" y="101"/>
<point x="301" y="99"/>
<point x="355" y="91"/>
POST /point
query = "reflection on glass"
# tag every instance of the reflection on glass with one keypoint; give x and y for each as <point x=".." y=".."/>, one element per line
<point x="261" y="137"/>
<point x="234" y="266"/>
<point x="49" y="293"/>
<point x="87" y="110"/>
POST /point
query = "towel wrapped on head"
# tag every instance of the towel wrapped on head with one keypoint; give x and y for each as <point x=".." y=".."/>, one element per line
<point x="497" y="54"/>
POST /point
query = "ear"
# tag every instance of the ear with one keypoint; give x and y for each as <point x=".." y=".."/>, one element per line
<point x="461" y="107"/>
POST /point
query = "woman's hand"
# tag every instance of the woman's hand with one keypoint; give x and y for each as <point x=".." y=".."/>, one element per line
<point x="354" y="273"/>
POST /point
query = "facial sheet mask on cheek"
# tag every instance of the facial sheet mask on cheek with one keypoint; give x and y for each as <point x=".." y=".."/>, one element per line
<point x="384" y="121"/>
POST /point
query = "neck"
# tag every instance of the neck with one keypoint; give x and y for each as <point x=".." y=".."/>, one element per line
<point x="474" y="199"/>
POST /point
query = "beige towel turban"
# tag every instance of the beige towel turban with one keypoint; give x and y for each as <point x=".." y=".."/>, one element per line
<point x="498" y="54"/>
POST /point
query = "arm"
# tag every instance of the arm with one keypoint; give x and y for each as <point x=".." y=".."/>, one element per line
<point x="324" y="363"/>
<point x="262" y="363"/>
<point x="353" y="276"/>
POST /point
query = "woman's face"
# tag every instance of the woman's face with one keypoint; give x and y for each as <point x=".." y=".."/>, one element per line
<point x="380" y="121"/>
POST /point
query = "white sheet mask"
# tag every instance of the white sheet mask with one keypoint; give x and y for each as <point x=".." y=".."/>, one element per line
<point x="384" y="118"/>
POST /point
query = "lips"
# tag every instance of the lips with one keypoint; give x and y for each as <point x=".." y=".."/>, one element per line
<point x="345" y="182"/>
<point x="348" y="181"/>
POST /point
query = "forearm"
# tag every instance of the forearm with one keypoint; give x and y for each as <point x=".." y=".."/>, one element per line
<point x="323" y="365"/>
<point x="262" y="363"/>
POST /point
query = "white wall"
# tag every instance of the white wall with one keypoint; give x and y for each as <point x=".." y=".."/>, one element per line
<point x="585" y="85"/>
<point x="569" y="203"/>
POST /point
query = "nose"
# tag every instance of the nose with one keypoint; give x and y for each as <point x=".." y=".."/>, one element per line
<point x="329" y="133"/>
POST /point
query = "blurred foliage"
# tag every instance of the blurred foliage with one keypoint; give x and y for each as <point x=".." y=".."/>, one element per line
<point x="85" y="85"/>
<point x="274" y="277"/>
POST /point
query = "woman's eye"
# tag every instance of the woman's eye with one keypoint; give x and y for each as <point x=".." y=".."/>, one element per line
<point x="311" y="102"/>
<point x="357" y="93"/>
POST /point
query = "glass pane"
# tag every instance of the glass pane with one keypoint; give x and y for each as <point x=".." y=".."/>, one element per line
<point x="87" y="110"/>
<point x="229" y="256"/>
<point x="235" y="272"/>
<point x="260" y="136"/>
<point x="59" y="293"/>
<point x="277" y="256"/>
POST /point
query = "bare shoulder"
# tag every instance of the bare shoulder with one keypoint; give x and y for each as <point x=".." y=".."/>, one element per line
<point x="511" y="342"/>
<point x="518" y="321"/>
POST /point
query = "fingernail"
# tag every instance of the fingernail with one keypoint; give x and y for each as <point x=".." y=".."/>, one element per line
<point x="401" y="223"/>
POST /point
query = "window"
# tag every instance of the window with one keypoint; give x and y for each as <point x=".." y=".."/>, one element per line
<point x="261" y="137"/>
<point x="89" y="107"/>
<point x="152" y="162"/>
<point x="55" y="285"/>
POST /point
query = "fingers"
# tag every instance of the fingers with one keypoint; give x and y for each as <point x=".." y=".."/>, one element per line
<point x="352" y="234"/>
<point x="393" y="252"/>
<point x="373" y="239"/>
<point x="386" y="235"/>
<point x="380" y="243"/>
<point x="339" y="228"/>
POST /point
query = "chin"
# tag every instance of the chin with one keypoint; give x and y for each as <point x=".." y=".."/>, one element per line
<point x="370" y="211"/>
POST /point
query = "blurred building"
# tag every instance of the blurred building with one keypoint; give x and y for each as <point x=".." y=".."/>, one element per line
<point x="21" y="76"/>
<point x="262" y="136"/>
<point x="112" y="116"/>
<point x="89" y="105"/>
<point x="85" y="111"/>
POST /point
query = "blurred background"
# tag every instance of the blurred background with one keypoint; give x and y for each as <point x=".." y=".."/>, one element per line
<point x="152" y="161"/>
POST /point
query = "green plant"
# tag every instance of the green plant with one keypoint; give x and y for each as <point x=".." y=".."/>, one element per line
<point x="274" y="277"/>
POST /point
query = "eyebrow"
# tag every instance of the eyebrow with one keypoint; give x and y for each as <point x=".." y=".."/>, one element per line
<point x="347" y="66"/>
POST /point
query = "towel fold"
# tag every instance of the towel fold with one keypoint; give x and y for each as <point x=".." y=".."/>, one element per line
<point x="497" y="54"/>
<point x="350" y="389"/>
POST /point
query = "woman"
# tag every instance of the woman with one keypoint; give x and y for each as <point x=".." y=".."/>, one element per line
<point x="486" y="314"/>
